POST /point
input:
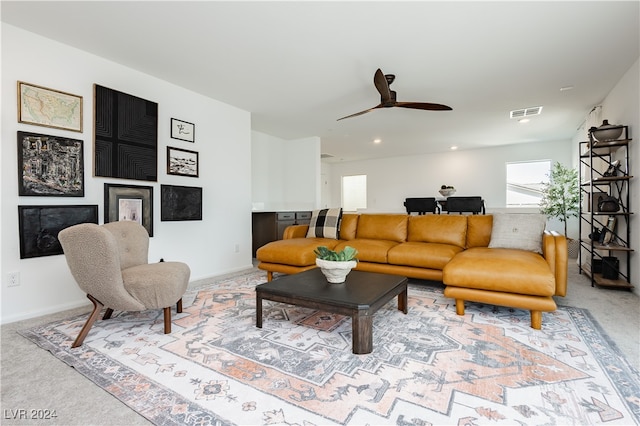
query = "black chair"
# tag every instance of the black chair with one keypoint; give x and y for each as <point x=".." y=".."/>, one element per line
<point x="421" y="205"/>
<point x="461" y="205"/>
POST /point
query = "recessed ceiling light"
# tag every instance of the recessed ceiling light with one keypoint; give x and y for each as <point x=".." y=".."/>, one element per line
<point x="523" y="120"/>
<point x="377" y="140"/>
<point x="565" y="88"/>
<point x="453" y="148"/>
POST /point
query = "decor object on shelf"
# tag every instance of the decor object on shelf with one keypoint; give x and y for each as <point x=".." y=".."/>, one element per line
<point x="129" y="202"/>
<point x="39" y="226"/>
<point x="561" y="196"/>
<point x="110" y="264"/>
<point x="182" y="162"/>
<point x="50" y="166"/>
<point x="608" y="205"/>
<point x="607" y="132"/>
<point x="126" y="136"/>
<point x="183" y="130"/>
<point x="49" y="108"/>
<point x="447" y="190"/>
<point x="336" y="265"/>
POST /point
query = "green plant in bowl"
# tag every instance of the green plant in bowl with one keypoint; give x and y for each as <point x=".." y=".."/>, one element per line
<point x="345" y="255"/>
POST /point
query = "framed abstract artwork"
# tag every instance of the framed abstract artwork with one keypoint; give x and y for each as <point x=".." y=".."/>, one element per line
<point x="183" y="130"/>
<point x="49" y="108"/>
<point x="182" y="162"/>
<point x="126" y="136"/>
<point x="127" y="202"/>
<point x="50" y="166"/>
<point x="180" y="203"/>
<point x="39" y="227"/>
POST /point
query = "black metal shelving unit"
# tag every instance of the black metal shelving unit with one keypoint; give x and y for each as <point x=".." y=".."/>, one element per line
<point x="596" y="158"/>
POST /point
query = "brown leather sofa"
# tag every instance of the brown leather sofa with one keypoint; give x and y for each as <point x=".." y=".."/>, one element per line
<point x="452" y="249"/>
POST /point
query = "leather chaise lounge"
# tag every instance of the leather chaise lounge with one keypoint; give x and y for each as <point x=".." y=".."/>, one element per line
<point x="475" y="260"/>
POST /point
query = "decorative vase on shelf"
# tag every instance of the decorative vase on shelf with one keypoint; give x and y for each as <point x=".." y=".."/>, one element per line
<point x="606" y="132"/>
<point x="336" y="271"/>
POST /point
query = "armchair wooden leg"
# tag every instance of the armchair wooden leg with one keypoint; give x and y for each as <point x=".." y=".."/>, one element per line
<point x="167" y="320"/>
<point x="107" y="314"/>
<point x="459" y="306"/>
<point x="269" y="276"/>
<point x="97" y="307"/>
<point x="179" y="306"/>
<point x="536" y="319"/>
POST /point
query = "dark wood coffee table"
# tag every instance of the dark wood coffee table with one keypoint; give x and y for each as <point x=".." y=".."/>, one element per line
<point x="361" y="295"/>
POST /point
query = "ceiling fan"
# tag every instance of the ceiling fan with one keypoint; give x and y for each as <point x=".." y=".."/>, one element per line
<point x="388" y="97"/>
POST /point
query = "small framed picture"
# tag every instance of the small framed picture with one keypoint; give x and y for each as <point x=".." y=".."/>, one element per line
<point x="49" y="108"/>
<point x="183" y="130"/>
<point x="128" y="202"/>
<point x="182" y="162"/>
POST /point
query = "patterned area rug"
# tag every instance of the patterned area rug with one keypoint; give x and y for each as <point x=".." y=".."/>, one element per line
<point x="427" y="367"/>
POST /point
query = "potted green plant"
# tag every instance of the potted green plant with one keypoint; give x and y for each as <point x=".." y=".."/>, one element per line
<point x="561" y="197"/>
<point x="336" y="265"/>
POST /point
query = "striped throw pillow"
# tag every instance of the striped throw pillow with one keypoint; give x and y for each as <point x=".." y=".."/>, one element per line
<point x="325" y="223"/>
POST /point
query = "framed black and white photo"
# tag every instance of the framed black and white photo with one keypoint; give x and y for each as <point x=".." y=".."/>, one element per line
<point x="180" y="203"/>
<point x="39" y="226"/>
<point x="127" y="202"/>
<point x="183" y="130"/>
<point x="50" y="165"/>
<point x="182" y="162"/>
<point x="46" y="107"/>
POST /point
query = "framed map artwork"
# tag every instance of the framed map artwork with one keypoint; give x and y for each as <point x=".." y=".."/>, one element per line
<point x="49" y="108"/>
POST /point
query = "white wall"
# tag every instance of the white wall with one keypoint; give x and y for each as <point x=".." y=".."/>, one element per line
<point x="471" y="172"/>
<point x="223" y="140"/>
<point x="622" y="106"/>
<point x="286" y="173"/>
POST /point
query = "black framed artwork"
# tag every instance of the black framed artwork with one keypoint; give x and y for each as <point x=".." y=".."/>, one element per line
<point x="129" y="202"/>
<point x="182" y="162"/>
<point x="50" y="165"/>
<point x="183" y="130"/>
<point x="126" y="136"/>
<point x="180" y="203"/>
<point x="39" y="226"/>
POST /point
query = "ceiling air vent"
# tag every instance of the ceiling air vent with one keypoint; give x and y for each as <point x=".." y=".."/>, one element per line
<point x="525" y="112"/>
<point x="326" y="156"/>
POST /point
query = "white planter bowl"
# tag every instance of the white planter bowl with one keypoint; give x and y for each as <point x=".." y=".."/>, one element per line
<point x="446" y="192"/>
<point x="336" y="272"/>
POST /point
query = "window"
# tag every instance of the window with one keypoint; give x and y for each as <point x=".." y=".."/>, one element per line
<point x="524" y="182"/>
<point x="354" y="192"/>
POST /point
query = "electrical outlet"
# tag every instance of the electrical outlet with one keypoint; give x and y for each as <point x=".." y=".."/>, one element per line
<point x="14" y="279"/>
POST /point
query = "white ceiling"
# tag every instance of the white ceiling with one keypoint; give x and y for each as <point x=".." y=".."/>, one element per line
<point x="299" y="66"/>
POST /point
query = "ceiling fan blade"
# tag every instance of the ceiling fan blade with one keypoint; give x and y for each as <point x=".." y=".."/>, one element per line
<point x="424" y="105"/>
<point x="361" y="112"/>
<point x="382" y="85"/>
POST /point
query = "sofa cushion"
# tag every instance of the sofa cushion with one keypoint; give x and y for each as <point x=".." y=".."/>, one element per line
<point x="522" y="231"/>
<point x="391" y="227"/>
<point x="349" y="226"/>
<point x="294" y="251"/>
<point x="369" y="250"/>
<point x="507" y="270"/>
<point x="435" y="228"/>
<point x="423" y="255"/>
<point x="325" y="223"/>
<point x="479" y="230"/>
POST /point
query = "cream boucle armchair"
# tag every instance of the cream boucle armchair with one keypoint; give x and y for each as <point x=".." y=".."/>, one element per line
<point x="110" y="263"/>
